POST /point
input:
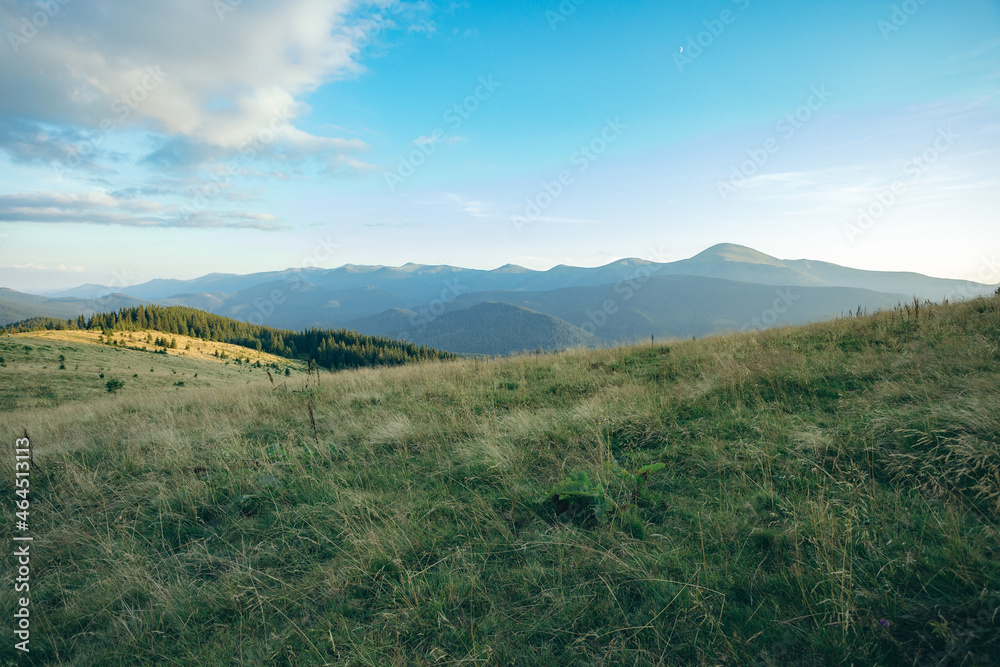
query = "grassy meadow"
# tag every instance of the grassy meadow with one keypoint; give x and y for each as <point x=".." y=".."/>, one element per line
<point x="830" y="495"/>
<point x="30" y="373"/>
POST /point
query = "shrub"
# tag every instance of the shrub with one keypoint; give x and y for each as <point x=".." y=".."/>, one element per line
<point x="578" y="499"/>
<point x="114" y="385"/>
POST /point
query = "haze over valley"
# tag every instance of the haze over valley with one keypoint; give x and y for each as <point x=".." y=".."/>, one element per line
<point x="513" y="309"/>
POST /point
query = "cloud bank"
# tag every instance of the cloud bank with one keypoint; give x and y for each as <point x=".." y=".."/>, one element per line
<point x="186" y="69"/>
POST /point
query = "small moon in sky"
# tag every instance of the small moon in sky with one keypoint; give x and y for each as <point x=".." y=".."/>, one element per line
<point x="682" y="49"/>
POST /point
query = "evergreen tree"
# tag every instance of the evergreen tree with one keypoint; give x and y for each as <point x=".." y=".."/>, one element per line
<point x="334" y="349"/>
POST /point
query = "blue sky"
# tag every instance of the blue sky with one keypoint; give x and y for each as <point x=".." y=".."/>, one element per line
<point x="142" y="140"/>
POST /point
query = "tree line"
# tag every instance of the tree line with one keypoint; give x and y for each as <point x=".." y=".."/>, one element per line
<point x="332" y="349"/>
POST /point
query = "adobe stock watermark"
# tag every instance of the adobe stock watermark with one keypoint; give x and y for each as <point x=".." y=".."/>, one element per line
<point x="264" y="307"/>
<point x="701" y="42"/>
<point x="626" y="288"/>
<point x="915" y="168"/>
<point x="562" y="13"/>
<point x="120" y="279"/>
<point x="121" y="108"/>
<point x="454" y="117"/>
<point x="968" y="631"/>
<point x="988" y="274"/>
<point x="23" y="540"/>
<point x="426" y="315"/>
<point x="770" y="316"/>
<point x="252" y="145"/>
<point x="365" y="34"/>
<point x="786" y="128"/>
<point x="900" y="16"/>
<point x="633" y="282"/>
<point x="223" y="7"/>
<point x="582" y="158"/>
<point x="30" y="25"/>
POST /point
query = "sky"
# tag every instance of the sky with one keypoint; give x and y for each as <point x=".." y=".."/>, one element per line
<point x="143" y="140"/>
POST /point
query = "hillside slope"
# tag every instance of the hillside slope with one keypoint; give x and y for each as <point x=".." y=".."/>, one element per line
<point x="486" y="328"/>
<point x="327" y="348"/>
<point x="829" y="495"/>
<point x="662" y="306"/>
<point x="32" y="376"/>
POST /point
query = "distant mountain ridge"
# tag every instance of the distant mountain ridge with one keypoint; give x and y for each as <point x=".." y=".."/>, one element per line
<point x="667" y="307"/>
<point x="17" y="306"/>
<point x="419" y="281"/>
<point x="724" y="287"/>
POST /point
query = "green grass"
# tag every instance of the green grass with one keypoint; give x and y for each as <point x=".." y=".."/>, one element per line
<point x="30" y="376"/>
<point x="830" y="495"/>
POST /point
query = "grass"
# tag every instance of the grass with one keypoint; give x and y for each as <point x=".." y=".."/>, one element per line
<point x="830" y="495"/>
<point x="31" y="377"/>
<point x="187" y="346"/>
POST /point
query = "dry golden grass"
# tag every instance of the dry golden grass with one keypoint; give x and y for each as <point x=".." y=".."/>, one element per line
<point x="193" y="348"/>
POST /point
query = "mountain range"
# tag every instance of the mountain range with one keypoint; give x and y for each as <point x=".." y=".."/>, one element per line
<point x="726" y="287"/>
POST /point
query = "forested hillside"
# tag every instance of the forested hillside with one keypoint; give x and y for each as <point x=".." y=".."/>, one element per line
<point x="328" y="348"/>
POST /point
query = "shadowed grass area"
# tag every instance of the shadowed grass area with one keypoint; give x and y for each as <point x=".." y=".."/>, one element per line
<point x="830" y="495"/>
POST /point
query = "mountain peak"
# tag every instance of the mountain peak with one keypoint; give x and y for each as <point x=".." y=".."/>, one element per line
<point x="510" y="268"/>
<point x="731" y="252"/>
<point x="631" y="261"/>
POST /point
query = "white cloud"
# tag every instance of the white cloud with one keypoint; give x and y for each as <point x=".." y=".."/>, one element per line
<point x="102" y="208"/>
<point x="472" y="207"/>
<point x="488" y="210"/>
<point x="62" y="268"/>
<point x="438" y="139"/>
<point x="561" y="221"/>
<point x="179" y="69"/>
